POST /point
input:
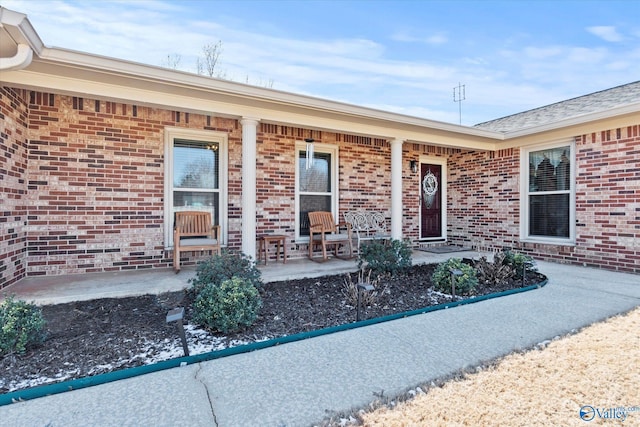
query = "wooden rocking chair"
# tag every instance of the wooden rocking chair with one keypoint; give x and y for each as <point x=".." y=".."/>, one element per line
<point x="193" y="232"/>
<point x="324" y="231"/>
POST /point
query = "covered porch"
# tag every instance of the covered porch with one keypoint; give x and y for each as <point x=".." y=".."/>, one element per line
<point x="61" y="289"/>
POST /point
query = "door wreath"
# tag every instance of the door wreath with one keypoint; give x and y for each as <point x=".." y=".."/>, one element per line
<point x="429" y="188"/>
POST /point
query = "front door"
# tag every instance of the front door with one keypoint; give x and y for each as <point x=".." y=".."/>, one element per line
<point x="431" y="203"/>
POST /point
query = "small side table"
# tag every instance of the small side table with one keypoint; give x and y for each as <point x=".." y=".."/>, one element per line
<point x="279" y="240"/>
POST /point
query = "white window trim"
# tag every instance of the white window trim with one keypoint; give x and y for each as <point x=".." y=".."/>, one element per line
<point x="524" y="195"/>
<point x="318" y="148"/>
<point x="444" y="176"/>
<point x="221" y="138"/>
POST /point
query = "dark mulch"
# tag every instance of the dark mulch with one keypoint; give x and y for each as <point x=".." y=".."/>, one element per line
<point x="92" y="337"/>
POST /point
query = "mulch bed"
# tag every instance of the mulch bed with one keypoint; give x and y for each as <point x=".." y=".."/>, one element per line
<point x="92" y="337"/>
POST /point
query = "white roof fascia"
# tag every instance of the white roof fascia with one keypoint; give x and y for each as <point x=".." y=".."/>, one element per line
<point x="161" y="75"/>
<point x="204" y="103"/>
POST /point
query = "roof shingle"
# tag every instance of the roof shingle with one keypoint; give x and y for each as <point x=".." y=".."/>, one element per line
<point x="592" y="103"/>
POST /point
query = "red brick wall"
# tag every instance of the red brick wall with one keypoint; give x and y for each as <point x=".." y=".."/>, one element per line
<point x="83" y="186"/>
<point x="364" y="167"/>
<point x="96" y="184"/>
<point x="483" y="199"/>
<point x="13" y="186"/>
<point x="275" y="181"/>
<point x="484" y="202"/>
<point x="608" y="200"/>
<point x="94" y="195"/>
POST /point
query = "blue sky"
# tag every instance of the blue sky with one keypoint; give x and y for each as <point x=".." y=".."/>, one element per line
<point x="400" y="56"/>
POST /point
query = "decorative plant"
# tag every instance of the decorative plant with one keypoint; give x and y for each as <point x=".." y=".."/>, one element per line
<point x="228" y="307"/>
<point x="521" y="263"/>
<point x="225" y="266"/>
<point x="350" y="289"/>
<point x="465" y="283"/>
<point x="382" y="257"/>
<point x="496" y="272"/>
<point x="21" y="326"/>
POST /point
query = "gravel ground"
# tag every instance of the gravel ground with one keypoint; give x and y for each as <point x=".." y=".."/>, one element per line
<point x="591" y="377"/>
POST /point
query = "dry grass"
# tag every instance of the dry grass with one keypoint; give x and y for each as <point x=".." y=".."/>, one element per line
<point x="599" y="366"/>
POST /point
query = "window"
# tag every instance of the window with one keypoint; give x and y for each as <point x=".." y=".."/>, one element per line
<point x="316" y="187"/>
<point x="195" y="176"/>
<point x="549" y="196"/>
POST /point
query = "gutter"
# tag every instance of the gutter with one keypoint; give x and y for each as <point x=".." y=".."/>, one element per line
<point x="20" y="60"/>
<point x="19" y="29"/>
<point x="15" y="27"/>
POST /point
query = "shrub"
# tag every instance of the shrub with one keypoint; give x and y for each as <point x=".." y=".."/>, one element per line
<point x="519" y="262"/>
<point x="464" y="284"/>
<point x="225" y="266"/>
<point x="21" y="324"/>
<point x="391" y="257"/>
<point x="496" y="272"/>
<point x="350" y="289"/>
<point x="227" y="307"/>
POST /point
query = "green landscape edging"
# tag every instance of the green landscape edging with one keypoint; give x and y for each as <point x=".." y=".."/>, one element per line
<point x="76" y="384"/>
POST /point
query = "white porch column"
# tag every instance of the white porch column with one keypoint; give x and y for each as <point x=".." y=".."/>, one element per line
<point x="396" y="189"/>
<point x="249" y="130"/>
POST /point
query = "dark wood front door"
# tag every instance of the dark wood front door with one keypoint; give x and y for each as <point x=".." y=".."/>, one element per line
<point x="431" y="201"/>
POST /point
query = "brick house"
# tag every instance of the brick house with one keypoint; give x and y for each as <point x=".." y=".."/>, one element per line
<point x="96" y="154"/>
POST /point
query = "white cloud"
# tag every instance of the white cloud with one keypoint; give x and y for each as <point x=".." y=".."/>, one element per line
<point x="475" y="60"/>
<point x="434" y="39"/>
<point x="578" y="55"/>
<point x="606" y="32"/>
<point x="538" y="53"/>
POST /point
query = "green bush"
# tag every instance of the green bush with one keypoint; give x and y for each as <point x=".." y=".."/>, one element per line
<point x="464" y="284"/>
<point x="519" y="262"/>
<point x="227" y="307"/>
<point x="225" y="266"/>
<point x="22" y="325"/>
<point x="382" y="257"/>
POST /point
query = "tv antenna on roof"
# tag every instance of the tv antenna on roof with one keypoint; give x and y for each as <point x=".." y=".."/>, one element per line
<point x="459" y="96"/>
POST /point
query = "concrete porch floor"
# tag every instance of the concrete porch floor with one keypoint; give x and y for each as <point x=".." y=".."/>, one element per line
<point x="61" y="289"/>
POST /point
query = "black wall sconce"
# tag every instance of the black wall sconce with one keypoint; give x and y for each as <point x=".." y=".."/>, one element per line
<point x="414" y="166"/>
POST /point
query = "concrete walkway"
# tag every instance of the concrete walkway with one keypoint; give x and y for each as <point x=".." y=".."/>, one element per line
<point x="299" y="384"/>
<point x="79" y="287"/>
